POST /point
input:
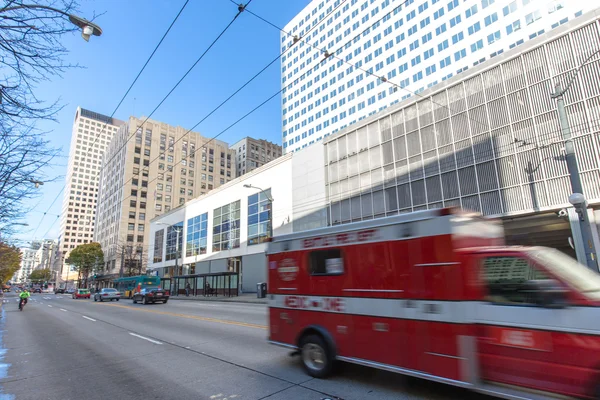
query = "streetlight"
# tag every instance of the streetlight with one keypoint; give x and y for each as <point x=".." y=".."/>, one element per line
<point x="577" y="198"/>
<point x="271" y="200"/>
<point x="36" y="182"/>
<point x="249" y="186"/>
<point x="88" y="28"/>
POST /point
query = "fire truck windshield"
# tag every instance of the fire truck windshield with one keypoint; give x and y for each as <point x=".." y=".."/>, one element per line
<point x="568" y="269"/>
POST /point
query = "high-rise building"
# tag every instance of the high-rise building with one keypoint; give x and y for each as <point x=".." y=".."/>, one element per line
<point x="252" y="153"/>
<point x="413" y="44"/>
<point x="91" y="134"/>
<point x="160" y="168"/>
<point x="29" y="260"/>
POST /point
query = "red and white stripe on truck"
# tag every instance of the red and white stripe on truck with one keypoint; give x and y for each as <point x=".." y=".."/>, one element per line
<point x="435" y="294"/>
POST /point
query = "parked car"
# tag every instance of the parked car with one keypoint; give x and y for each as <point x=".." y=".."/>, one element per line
<point x="151" y="295"/>
<point x="37" y="290"/>
<point x="107" y="294"/>
<point x="81" y="294"/>
<point x="70" y="291"/>
<point x="59" y="291"/>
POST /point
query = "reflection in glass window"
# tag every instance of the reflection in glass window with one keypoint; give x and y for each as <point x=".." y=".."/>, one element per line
<point x="226" y="227"/>
<point x="159" y="237"/>
<point x="197" y="231"/>
<point x="173" y="232"/>
<point x="259" y="217"/>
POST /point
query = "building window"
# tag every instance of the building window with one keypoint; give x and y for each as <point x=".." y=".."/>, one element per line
<point x="174" y="234"/>
<point x="226" y="227"/>
<point x="259" y="217"/>
<point x="196" y="235"/>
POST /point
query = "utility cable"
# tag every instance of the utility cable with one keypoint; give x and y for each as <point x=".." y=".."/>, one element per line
<point x="124" y="96"/>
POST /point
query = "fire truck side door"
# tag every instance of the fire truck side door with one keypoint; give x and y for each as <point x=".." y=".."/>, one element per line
<point x="513" y="346"/>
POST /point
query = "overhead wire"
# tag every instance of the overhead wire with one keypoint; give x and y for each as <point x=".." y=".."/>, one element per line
<point x="120" y="102"/>
<point x="334" y="54"/>
<point x="163" y="152"/>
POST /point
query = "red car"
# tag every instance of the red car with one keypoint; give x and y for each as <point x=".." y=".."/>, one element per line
<point x="81" y="294"/>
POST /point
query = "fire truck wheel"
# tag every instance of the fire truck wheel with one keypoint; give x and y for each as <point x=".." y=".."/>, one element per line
<point x="316" y="357"/>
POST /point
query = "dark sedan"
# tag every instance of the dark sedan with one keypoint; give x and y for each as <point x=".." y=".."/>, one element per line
<point x="151" y="295"/>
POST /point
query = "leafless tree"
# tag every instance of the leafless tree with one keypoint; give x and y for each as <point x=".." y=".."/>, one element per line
<point x="134" y="257"/>
<point x="31" y="51"/>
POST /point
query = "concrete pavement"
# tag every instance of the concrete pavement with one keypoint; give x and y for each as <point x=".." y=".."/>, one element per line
<point x="78" y="349"/>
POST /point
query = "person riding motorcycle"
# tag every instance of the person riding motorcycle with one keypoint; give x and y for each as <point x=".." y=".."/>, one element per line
<point x="24" y="295"/>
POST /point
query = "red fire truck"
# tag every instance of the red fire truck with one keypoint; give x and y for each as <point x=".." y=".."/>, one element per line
<point x="435" y="294"/>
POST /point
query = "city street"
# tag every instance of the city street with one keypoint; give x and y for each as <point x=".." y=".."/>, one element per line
<point x="60" y="348"/>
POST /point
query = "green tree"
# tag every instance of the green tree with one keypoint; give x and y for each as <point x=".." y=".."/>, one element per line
<point x="10" y="261"/>
<point x="87" y="258"/>
<point x="40" y="275"/>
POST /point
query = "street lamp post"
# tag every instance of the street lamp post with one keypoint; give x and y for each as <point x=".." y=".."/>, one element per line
<point x="577" y="198"/>
<point x="271" y="200"/>
<point x="88" y="28"/>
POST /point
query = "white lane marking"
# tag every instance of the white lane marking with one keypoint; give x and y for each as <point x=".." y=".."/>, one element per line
<point x="62" y="309"/>
<point x="91" y="319"/>
<point x="49" y="305"/>
<point x="145" y="338"/>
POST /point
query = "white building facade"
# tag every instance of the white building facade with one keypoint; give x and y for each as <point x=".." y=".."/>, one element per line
<point x="227" y="229"/>
<point x="92" y="133"/>
<point x="413" y="44"/>
<point x="30" y="258"/>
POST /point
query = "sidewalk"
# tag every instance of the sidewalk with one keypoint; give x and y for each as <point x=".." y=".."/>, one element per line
<point x="243" y="298"/>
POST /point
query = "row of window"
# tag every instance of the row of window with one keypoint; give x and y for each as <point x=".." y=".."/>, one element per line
<point x="225" y="229"/>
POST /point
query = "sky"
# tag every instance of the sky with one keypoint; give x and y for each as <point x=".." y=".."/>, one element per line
<point x="131" y="30"/>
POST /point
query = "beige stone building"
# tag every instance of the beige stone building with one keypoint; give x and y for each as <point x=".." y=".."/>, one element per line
<point x="252" y="153"/>
<point x="159" y="168"/>
<point x="92" y="133"/>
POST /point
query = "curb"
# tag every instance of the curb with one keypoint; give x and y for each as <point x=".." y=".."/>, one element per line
<point x="219" y="301"/>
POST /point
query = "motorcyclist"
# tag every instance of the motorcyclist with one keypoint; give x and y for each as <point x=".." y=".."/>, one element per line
<point x="24" y="295"/>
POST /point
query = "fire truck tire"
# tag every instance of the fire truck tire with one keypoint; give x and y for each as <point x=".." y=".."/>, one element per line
<point x="317" y="357"/>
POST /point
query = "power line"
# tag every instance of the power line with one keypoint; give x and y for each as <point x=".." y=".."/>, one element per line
<point x="334" y="54"/>
<point x="225" y="101"/>
<point x="125" y="95"/>
<point x="241" y="9"/>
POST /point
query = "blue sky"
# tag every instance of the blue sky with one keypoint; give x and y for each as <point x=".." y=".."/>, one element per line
<point x="131" y="29"/>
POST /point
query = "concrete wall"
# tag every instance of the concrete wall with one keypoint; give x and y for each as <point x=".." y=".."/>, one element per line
<point x="254" y="270"/>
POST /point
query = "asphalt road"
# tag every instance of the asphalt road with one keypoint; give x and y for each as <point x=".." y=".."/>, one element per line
<point x="60" y="348"/>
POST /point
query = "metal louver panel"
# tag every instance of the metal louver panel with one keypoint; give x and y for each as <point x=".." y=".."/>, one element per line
<point x="514" y="78"/>
<point x="418" y="192"/>
<point x="494" y="87"/>
<point x="486" y="176"/>
<point x="491" y="204"/>
<point x="434" y="189"/>
<point x="535" y="65"/>
<point x="468" y="181"/>
<point x="518" y="105"/>
<point x="425" y="112"/>
<point x="474" y="91"/>
<point x="450" y="185"/>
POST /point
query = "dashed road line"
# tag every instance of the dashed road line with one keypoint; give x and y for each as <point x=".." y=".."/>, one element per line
<point x="207" y="319"/>
<point x="62" y="309"/>
<point x="145" y="338"/>
<point x="91" y="319"/>
<point x="49" y="305"/>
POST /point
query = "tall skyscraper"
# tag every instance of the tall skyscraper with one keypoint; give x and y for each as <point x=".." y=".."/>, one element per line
<point x="161" y="169"/>
<point x="92" y="133"/>
<point x="413" y="43"/>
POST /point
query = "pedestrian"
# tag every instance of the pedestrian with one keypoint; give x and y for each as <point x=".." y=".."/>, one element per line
<point x="187" y="289"/>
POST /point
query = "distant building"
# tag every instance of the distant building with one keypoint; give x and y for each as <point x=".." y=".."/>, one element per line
<point x="91" y="134"/>
<point x="253" y="153"/>
<point x="160" y="169"/>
